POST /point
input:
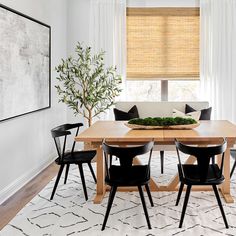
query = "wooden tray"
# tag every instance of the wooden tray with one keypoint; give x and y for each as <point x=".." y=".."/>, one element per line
<point x="133" y="126"/>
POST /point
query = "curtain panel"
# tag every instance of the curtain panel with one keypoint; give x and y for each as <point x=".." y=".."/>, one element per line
<point x="107" y="32"/>
<point x="218" y="56"/>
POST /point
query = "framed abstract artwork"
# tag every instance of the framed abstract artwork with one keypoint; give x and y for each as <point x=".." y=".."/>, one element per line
<point x="25" y="61"/>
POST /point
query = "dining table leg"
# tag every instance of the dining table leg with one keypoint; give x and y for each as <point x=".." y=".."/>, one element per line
<point x="173" y="184"/>
<point x="225" y="187"/>
<point x="101" y="187"/>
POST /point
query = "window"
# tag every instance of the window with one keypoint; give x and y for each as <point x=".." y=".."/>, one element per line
<point x="143" y="90"/>
<point x="163" y="44"/>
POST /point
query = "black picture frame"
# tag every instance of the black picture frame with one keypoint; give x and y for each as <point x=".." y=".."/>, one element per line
<point x="48" y="27"/>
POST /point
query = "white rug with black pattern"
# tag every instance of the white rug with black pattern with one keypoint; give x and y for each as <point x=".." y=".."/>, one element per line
<point x="69" y="214"/>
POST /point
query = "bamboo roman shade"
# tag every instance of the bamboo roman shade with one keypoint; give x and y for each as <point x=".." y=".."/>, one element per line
<point x="162" y="43"/>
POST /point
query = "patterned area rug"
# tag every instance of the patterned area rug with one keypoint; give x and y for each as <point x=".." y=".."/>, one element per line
<point x="69" y="214"/>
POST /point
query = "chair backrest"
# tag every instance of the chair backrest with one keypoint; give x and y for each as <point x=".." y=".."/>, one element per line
<point x="60" y="132"/>
<point x="125" y="154"/>
<point x="203" y="155"/>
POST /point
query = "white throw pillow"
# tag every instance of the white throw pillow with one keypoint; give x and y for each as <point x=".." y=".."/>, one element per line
<point x="195" y="114"/>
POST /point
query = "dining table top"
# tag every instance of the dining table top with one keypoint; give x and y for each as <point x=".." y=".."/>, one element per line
<point x="118" y="131"/>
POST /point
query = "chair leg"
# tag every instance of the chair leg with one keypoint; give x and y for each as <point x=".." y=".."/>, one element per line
<point x="185" y="205"/>
<point x="162" y="161"/>
<point x="220" y="205"/>
<point x="149" y="194"/>
<point x="83" y="180"/>
<point x="233" y="168"/>
<point x="109" y="204"/>
<point x="179" y="193"/>
<point x="213" y="160"/>
<point x="67" y="171"/>
<point x="144" y="206"/>
<point x="92" y="172"/>
<point x="57" y="181"/>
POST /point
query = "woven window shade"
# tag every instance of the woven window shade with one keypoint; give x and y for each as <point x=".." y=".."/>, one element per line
<point x="162" y="43"/>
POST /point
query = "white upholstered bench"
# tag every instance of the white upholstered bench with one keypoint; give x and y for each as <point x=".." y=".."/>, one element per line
<point x="162" y="109"/>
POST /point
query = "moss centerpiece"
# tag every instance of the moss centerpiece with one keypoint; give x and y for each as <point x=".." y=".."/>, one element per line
<point x="162" y="123"/>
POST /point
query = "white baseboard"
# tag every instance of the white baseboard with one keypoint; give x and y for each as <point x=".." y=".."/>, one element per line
<point x="12" y="188"/>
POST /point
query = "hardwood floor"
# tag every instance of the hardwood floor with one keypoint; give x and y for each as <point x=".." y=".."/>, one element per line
<point x="14" y="204"/>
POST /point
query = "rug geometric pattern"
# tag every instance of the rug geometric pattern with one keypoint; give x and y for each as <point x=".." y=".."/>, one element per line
<point x="69" y="214"/>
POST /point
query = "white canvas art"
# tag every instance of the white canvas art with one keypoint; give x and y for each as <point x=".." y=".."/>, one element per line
<point x="24" y="64"/>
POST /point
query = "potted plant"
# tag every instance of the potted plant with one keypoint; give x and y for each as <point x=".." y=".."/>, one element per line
<point x="86" y="86"/>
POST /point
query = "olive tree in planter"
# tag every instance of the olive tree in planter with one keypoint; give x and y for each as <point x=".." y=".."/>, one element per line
<point x="86" y="86"/>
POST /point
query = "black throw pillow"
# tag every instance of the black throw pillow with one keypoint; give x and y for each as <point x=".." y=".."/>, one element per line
<point x="205" y="113"/>
<point x="122" y="115"/>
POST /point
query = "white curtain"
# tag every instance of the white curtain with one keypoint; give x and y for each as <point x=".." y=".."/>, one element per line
<point x="218" y="56"/>
<point x="108" y="33"/>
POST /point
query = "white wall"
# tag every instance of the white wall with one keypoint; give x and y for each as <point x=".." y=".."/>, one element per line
<point x="78" y="23"/>
<point x="26" y="146"/>
<point x="78" y="30"/>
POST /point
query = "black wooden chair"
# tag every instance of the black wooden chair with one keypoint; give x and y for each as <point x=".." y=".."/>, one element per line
<point x="233" y="154"/>
<point x="124" y="173"/>
<point x="202" y="173"/>
<point x="65" y="158"/>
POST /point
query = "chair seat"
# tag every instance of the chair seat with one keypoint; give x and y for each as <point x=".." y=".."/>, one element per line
<point x="131" y="176"/>
<point x="192" y="175"/>
<point x="77" y="157"/>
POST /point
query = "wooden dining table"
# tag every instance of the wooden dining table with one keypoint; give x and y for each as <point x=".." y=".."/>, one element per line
<point x="115" y="132"/>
